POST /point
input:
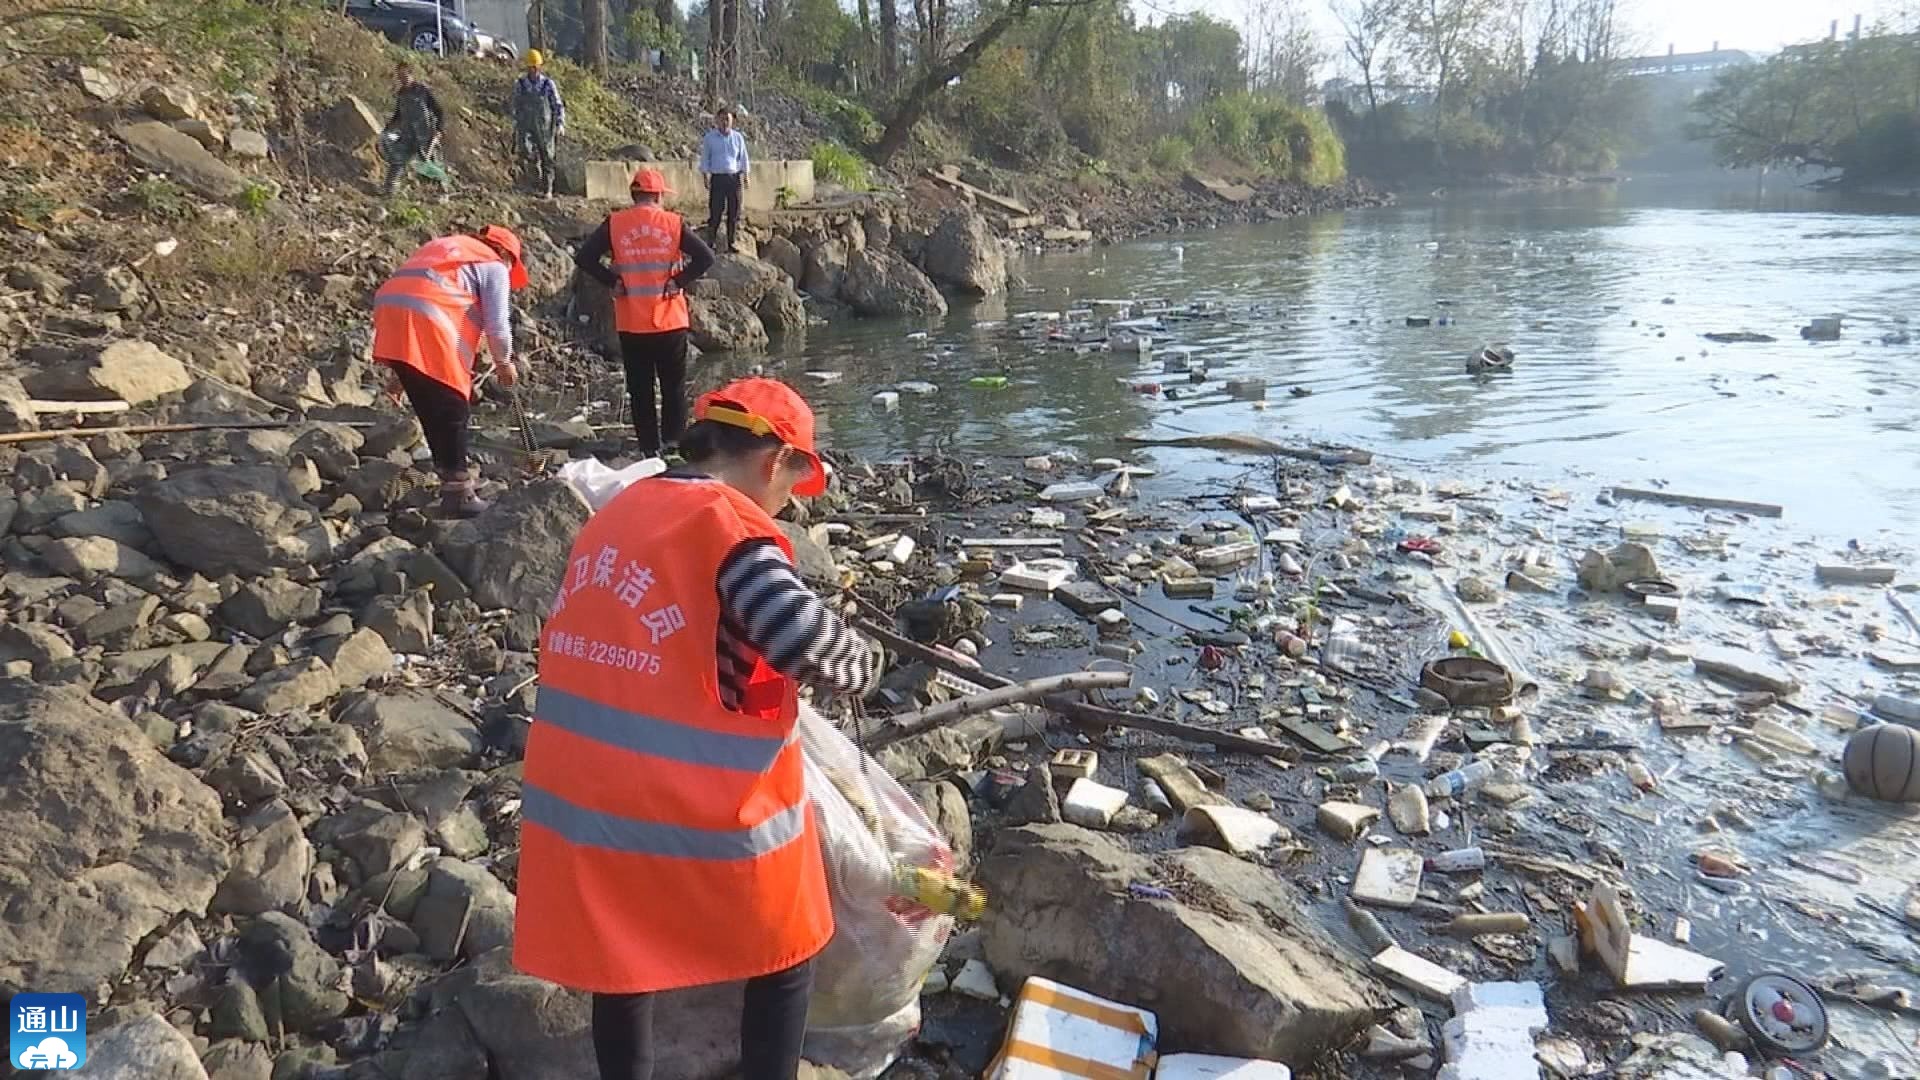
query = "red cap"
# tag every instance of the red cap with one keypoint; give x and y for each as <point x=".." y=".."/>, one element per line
<point x="651" y="181"/>
<point x="506" y="243"/>
<point x="768" y="407"/>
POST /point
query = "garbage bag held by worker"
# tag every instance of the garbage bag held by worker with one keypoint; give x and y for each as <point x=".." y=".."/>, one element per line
<point x="866" y="991"/>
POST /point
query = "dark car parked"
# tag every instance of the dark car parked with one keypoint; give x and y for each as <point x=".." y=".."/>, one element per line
<point x="417" y="24"/>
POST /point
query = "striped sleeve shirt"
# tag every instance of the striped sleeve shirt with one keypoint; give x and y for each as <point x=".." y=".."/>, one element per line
<point x="491" y="282"/>
<point x="768" y="610"/>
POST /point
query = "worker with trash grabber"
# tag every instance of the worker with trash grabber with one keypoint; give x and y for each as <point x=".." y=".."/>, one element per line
<point x="655" y="257"/>
<point x="668" y="838"/>
<point x="429" y="322"/>
<point x="413" y="132"/>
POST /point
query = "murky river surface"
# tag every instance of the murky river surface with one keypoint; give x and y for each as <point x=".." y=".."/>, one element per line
<point x="1611" y="379"/>
<point x="1605" y="295"/>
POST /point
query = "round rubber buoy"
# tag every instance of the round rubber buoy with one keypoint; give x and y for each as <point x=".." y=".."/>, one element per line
<point x="1782" y="1015"/>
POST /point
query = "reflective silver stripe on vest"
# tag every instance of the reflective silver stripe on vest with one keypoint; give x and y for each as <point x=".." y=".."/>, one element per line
<point x="644" y="267"/>
<point x="436" y="315"/>
<point x="650" y="735"/>
<point x="632" y="836"/>
<point x="644" y="290"/>
<point x="428" y="274"/>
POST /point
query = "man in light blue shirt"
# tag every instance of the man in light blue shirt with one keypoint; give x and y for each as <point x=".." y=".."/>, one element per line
<point x="723" y="164"/>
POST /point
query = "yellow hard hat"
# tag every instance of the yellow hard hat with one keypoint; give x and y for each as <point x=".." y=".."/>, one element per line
<point x="534" y="59"/>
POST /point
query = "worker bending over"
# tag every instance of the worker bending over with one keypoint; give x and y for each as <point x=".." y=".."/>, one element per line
<point x="655" y="257"/>
<point x="667" y="840"/>
<point x="429" y="322"/>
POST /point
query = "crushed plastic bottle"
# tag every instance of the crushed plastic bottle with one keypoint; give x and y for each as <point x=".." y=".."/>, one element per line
<point x="1458" y="861"/>
<point x="1470" y="777"/>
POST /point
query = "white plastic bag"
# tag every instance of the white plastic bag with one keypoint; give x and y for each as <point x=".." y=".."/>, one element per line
<point x="866" y="983"/>
<point x="598" y="483"/>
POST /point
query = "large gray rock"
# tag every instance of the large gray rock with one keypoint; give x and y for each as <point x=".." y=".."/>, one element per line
<point x="115" y="519"/>
<point x="445" y="1048"/>
<point x="722" y="325"/>
<point x="132" y="371"/>
<point x="243" y="143"/>
<point x="411" y="730"/>
<point x="374" y="837"/>
<point x="810" y="554"/>
<point x="170" y="103"/>
<point x="148" y="1048"/>
<point x="534" y="1030"/>
<point x="740" y="278"/>
<point x="91" y="557"/>
<point x="782" y="312"/>
<point x="466" y="911"/>
<point x="235" y="1059"/>
<point x="270" y="866"/>
<point x="780" y="253"/>
<point x="106" y="840"/>
<point x="350" y="124"/>
<point x="264" y="607"/>
<point x="1250" y="974"/>
<point x="159" y="147"/>
<point x="16" y="407"/>
<point x="240" y="519"/>
<point x="291" y="687"/>
<point x="514" y="555"/>
<point x="885" y="283"/>
<point x="358" y="658"/>
<point x="964" y="253"/>
<point x="825" y="269"/>
<point x="301" y="985"/>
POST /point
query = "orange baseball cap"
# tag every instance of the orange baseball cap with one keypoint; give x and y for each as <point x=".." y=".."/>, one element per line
<point x="506" y="243"/>
<point x="768" y="407"/>
<point x="651" y="181"/>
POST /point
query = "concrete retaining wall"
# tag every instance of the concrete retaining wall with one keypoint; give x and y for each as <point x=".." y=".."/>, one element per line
<point x="607" y="181"/>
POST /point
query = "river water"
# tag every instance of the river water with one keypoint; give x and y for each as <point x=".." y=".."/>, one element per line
<point x="1603" y="292"/>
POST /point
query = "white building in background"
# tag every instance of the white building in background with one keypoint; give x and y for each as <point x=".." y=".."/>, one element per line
<point x="504" y="19"/>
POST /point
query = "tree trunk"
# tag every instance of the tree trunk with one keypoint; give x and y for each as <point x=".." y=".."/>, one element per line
<point x="715" y="51"/>
<point x="730" y="26"/>
<point x="889" y="43"/>
<point x="938" y="74"/>
<point x="593" y="16"/>
<point x="537" y="25"/>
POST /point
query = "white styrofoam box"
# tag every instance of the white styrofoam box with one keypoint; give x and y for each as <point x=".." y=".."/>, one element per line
<point x="1039" y="575"/>
<point x="1091" y="804"/>
<point x="1214" y="1067"/>
<point x="1051" y="1016"/>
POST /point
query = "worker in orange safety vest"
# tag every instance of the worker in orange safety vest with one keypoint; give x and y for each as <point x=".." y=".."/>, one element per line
<point x="667" y="840"/>
<point x="654" y="258"/>
<point x="429" y="321"/>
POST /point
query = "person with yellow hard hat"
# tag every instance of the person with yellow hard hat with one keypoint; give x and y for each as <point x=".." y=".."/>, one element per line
<point x="429" y="321"/>
<point x="654" y="258"/>
<point x="667" y="839"/>
<point x="539" y="117"/>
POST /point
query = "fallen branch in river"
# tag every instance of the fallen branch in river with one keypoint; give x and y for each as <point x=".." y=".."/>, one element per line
<point x="1222" y="740"/>
<point x="908" y="647"/>
<point x="1244" y="443"/>
<point x="1703" y="502"/>
<point x="908" y="724"/>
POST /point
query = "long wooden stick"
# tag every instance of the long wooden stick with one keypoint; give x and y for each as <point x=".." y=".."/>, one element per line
<point x="1674" y="498"/>
<point x="1244" y="443"/>
<point x="79" y="408"/>
<point x="146" y="429"/>
<point x="907" y="724"/>
<point x="1224" y="740"/>
<point x="908" y="647"/>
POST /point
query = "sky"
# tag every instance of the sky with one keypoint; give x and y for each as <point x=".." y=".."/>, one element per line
<point x="1760" y="26"/>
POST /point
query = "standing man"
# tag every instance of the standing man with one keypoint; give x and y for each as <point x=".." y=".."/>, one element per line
<point x="539" y="117"/>
<point x="414" y="130"/>
<point x="655" y="258"/>
<point x="429" y="320"/>
<point x="667" y="839"/>
<point x="723" y="164"/>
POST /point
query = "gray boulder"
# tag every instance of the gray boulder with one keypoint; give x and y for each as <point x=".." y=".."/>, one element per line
<point x="350" y="124"/>
<point x="291" y="688"/>
<point x="264" y="607"/>
<point x="132" y="371"/>
<point x="170" y="103"/>
<point x="375" y="838"/>
<point x="740" y="278"/>
<point x="115" y="519"/>
<point x="825" y="270"/>
<point x="810" y="554"/>
<point x="782" y="312"/>
<point x="466" y="911"/>
<point x="405" y="623"/>
<point x="148" y="1048"/>
<point x="270" y="865"/>
<point x="16" y="407"/>
<point x="106" y="841"/>
<point x="409" y="731"/>
<point x="880" y="282"/>
<point x="244" y="519"/>
<point x="242" y="143"/>
<point x="964" y="253"/>
<point x="780" y="253"/>
<point x="1249" y="974"/>
<point x="358" y="658"/>
<point x="722" y="325"/>
<point x="159" y="147"/>
<point x="514" y="555"/>
<point x="91" y="557"/>
<point x="306" y="987"/>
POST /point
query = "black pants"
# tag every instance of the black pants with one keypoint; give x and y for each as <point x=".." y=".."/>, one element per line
<point x="443" y="413"/>
<point x="723" y="195"/>
<point x="773" y="1022"/>
<point x="661" y="359"/>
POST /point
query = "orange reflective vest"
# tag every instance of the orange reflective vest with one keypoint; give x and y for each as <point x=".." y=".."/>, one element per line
<point x="646" y="253"/>
<point x="665" y="841"/>
<point x="424" y="318"/>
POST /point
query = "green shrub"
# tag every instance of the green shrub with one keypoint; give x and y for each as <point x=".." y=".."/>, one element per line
<point x="1269" y="135"/>
<point x="835" y="164"/>
<point x="1171" y="153"/>
<point x="160" y="198"/>
<point x="255" y="197"/>
<point x="406" y="215"/>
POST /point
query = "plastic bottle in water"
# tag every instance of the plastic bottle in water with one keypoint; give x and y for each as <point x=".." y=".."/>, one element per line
<point x="1466" y="778"/>
<point x="1458" y="861"/>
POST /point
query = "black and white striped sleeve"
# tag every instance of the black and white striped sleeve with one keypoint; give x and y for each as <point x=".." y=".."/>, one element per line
<point x="782" y="619"/>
